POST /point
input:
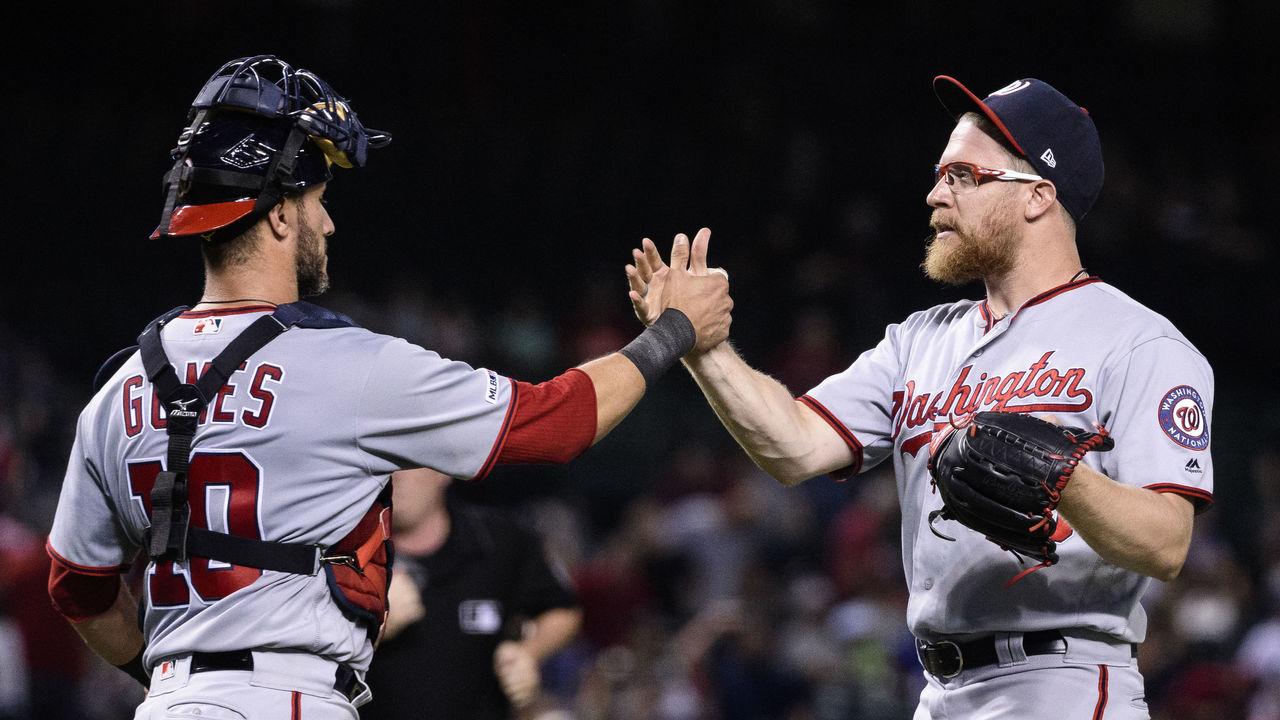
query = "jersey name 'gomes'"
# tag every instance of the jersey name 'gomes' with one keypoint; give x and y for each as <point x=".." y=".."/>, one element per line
<point x="255" y="403"/>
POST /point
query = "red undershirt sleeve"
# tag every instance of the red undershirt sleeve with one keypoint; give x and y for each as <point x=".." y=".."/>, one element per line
<point x="553" y="422"/>
<point x="81" y="593"/>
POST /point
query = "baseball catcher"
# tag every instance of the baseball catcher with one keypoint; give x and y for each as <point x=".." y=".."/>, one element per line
<point x="1002" y="475"/>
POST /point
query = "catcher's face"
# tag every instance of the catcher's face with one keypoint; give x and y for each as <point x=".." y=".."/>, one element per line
<point x="314" y="226"/>
<point x="976" y="230"/>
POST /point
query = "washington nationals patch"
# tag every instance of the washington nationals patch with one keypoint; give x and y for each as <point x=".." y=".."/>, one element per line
<point x="1182" y="417"/>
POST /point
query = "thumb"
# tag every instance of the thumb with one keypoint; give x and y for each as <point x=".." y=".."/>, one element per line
<point x="698" y="257"/>
<point x="680" y="252"/>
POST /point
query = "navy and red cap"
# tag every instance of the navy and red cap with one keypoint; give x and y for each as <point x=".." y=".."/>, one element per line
<point x="1053" y="133"/>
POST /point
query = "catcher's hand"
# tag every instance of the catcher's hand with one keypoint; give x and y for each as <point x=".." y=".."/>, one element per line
<point x="1002" y="474"/>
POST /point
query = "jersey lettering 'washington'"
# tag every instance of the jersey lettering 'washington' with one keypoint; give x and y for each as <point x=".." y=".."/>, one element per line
<point x="1040" y="388"/>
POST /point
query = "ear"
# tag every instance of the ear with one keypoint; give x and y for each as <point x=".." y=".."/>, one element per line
<point x="1043" y="196"/>
<point x="278" y="220"/>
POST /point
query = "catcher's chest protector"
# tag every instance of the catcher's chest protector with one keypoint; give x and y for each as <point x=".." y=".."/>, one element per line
<point x="357" y="568"/>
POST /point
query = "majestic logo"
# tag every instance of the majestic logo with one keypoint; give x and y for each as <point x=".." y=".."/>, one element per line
<point x="1183" y="417"/>
<point x="1013" y="87"/>
<point x="1192" y="466"/>
<point x="1049" y="159"/>
<point x="249" y="152"/>
<point x="1039" y="388"/>
<point x="480" y="617"/>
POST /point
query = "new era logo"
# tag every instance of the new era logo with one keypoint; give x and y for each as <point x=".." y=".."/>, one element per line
<point x="1192" y="466"/>
<point x="1049" y="159"/>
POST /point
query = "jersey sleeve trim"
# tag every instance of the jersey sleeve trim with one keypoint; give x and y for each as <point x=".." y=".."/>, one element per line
<point x="84" y="569"/>
<point x="845" y="434"/>
<point x="1202" y="499"/>
<point x="501" y="440"/>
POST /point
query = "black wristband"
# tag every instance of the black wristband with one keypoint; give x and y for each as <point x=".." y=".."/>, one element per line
<point x="661" y="344"/>
<point x="135" y="669"/>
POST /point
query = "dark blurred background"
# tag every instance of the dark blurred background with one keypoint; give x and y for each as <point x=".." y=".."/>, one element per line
<point x="534" y="146"/>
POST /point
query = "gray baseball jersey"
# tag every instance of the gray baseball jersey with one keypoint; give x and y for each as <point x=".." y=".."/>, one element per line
<point x="1084" y="352"/>
<point x="294" y="448"/>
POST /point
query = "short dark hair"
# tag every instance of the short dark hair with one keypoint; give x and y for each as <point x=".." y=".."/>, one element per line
<point x="226" y="254"/>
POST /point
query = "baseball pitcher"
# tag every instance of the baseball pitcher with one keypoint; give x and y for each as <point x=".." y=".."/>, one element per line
<point x="1050" y="441"/>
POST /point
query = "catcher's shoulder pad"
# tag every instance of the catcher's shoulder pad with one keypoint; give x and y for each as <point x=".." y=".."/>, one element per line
<point x="110" y="367"/>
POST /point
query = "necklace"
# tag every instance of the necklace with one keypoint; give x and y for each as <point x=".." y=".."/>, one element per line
<point x="1078" y="275"/>
<point x="224" y="302"/>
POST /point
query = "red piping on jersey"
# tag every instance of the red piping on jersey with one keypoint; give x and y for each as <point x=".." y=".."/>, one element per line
<point x="1201" y="498"/>
<point x="502" y="434"/>
<point x="1101" y="707"/>
<point x="295" y="704"/>
<point x="845" y="434"/>
<point x="987" y="317"/>
<point x="1042" y="297"/>
<point x="228" y="311"/>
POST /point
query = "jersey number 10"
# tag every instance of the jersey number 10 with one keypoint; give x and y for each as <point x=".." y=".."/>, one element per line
<point x="222" y="490"/>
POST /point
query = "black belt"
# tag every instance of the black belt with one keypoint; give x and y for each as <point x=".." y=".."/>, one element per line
<point x="345" y="680"/>
<point x="947" y="658"/>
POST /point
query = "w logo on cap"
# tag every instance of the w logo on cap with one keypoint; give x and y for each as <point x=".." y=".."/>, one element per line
<point x="1049" y="159"/>
<point x="1013" y="87"/>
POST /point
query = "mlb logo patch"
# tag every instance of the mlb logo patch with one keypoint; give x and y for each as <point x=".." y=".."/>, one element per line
<point x="491" y="388"/>
<point x="166" y="670"/>
<point x="480" y="617"/>
<point x="207" y="326"/>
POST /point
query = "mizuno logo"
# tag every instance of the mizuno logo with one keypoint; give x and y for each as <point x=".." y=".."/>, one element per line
<point x="181" y="409"/>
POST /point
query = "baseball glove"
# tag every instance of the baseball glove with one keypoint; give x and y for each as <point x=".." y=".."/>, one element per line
<point x="1002" y="475"/>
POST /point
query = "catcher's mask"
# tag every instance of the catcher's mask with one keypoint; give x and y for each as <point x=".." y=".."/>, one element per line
<point x="259" y="130"/>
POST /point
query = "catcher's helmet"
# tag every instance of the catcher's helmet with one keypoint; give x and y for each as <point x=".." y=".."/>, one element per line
<point x="259" y="130"/>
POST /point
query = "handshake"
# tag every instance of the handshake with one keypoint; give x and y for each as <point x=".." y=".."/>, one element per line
<point x="687" y="285"/>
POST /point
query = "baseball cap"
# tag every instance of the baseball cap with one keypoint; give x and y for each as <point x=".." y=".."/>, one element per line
<point x="1053" y="133"/>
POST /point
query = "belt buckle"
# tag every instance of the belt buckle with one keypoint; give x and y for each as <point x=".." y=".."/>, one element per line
<point x="934" y="662"/>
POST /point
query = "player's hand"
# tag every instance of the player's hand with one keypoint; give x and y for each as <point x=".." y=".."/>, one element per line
<point x="405" y="602"/>
<point x="687" y="284"/>
<point x="517" y="672"/>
